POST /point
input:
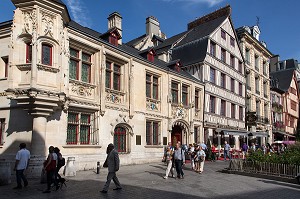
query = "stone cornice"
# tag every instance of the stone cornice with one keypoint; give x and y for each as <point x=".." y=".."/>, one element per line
<point x="47" y="68"/>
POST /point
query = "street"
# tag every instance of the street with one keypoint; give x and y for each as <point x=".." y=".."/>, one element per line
<point x="145" y="181"/>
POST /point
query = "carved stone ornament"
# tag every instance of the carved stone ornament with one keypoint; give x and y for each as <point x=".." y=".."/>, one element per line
<point x="30" y="22"/>
<point x="48" y="24"/>
<point x="249" y="95"/>
<point x="247" y="71"/>
<point x="81" y="88"/>
<point x="114" y="98"/>
<point x="178" y="111"/>
<point x="150" y="105"/>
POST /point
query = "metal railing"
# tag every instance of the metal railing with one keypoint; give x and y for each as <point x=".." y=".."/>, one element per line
<point x="261" y="119"/>
<point x="266" y="168"/>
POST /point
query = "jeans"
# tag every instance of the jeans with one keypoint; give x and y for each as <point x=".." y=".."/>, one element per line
<point x="227" y="154"/>
<point x="51" y="176"/>
<point x="111" y="176"/>
<point x="20" y="175"/>
<point x="178" y="166"/>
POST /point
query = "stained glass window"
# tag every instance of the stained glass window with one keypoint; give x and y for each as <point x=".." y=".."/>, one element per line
<point x="79" y="126"/>
<point x="28" y="53"/>
<point x="80" y="64"/>
<point x="73" y="69"/>
<point x="185" y="95"/>
<point x="113" y="76"/>
<point x="46" y="55"/>
<point x="85" y="73"/>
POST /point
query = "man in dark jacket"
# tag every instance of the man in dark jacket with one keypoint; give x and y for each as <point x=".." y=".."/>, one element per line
<point x="112" y="162"/>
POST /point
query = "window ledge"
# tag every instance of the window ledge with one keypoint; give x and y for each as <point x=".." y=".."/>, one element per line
<point x="153" y="146"/>
<point x="47" y="68"/>
<point x="115" y="91"/>
<point x="3" y="78"/>
<point x="81" y="83"/>
<point x="82" y="146"/>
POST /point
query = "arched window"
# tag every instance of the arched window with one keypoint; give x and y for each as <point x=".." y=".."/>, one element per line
<point x="47" y="54"/>
<point x="120" y="139"/>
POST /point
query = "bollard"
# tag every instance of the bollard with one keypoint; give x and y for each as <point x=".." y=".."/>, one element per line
<point x="98" y="167"/>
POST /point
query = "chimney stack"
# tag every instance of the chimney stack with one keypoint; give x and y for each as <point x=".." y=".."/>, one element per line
<point x="152" y="26"/>
<point x="115" y="21"/>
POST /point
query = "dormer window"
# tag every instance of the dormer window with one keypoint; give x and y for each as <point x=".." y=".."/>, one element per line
<point x="177" y="67"/>
<point x="113" y="39"/>
<point x="150" y="56"/>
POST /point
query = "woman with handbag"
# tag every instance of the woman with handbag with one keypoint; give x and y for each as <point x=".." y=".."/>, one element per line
<point x="201" y="159"/>
<point x="50" y="167"/>
<point x="169" y="160"/>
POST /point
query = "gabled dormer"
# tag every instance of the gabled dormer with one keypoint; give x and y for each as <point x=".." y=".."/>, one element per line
<point x="175" y="65"/>
<point x="112" y="36"/>
<point x="148" y="54"/>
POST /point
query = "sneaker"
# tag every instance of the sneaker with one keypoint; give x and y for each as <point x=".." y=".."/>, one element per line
<point x="118" y="188"/>
<point x="165" y="177"/>
<point x="17" y="187"/>
<point x="103" y="191"/>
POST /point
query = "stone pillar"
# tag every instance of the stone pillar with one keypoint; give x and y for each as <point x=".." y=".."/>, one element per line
<point x="38" y="146"/>
<point x="5" y="173"/>
<point x="38" y="140"/>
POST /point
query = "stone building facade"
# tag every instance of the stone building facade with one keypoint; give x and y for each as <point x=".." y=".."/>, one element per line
<point x="209" y="51"/>
<point x="75" y="88"/>
<point x="257" y="63"/>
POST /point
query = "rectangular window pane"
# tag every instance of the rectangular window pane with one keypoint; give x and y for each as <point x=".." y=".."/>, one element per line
<point x="148" y="133"/>
<point x="73" y="69"/>
<point x="155" y="133"/>
<point x="117" y="68"/>
<point x="117" y="81"/>
<point x="232" y="111"/>
<point x="108" y="79"/>
<point x="212" y="75"/>
<point x="84" y="134"/>
<point x="212" y="104"/>
<point x="155" y="91"/>
<point x="86" y="57"/>
<point x="232" y="85"/>
<point x="223" y="80"/>
<point x="46" y="55"/>
<point x="148" y="89"/>
<point x="72" y="134"/>
<point x="74" y="53"/>
<point x="85" y="72"/>
<point x="223" y="107"/>
<point x="196" y="99"/>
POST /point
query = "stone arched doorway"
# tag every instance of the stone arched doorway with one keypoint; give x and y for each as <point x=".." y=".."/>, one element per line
<point x="121" y="138"/>
<point x="179" y="132"/>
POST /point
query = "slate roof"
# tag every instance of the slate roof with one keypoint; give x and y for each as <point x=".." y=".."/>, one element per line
<point x="86" y="30"/>
<point x="60" y="2"/>
<point x="283" y="77"/>
<point x="189" y="42"/>
<point x="6" y="24"/>
<point x="136" y="40"/>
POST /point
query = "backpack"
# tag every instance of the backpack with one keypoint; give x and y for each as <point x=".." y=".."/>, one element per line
<point x="61" y="162"/>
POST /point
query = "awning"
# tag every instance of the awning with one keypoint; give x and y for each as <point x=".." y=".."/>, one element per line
<point x="233" y="132"/>
<point x="258" y="134"/>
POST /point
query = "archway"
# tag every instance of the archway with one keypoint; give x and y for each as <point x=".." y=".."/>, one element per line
<point x="179" y="132"/>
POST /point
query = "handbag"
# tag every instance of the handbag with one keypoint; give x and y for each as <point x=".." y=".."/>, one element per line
<point x="105" y="165"/>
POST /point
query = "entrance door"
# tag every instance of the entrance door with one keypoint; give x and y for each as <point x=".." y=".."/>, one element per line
<point x="176" y="135"/>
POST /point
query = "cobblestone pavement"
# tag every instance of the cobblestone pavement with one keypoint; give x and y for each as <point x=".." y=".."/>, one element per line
<point x="145" y="181"/>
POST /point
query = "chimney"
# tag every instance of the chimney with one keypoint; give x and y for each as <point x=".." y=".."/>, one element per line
<point x="115" y="21"/>
<point x="152" y="26"/>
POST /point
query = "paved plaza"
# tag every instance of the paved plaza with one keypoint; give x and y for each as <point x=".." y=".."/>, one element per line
<point x="145" y="181"/>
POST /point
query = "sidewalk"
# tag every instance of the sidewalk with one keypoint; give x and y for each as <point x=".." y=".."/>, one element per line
<point x="145" y="181"/>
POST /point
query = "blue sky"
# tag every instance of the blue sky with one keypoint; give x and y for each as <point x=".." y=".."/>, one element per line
<point x="279" y="20"/>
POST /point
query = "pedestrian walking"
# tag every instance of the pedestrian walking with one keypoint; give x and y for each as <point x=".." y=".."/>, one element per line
<point x="226" y="151"/>
<point x="21" y="164"/>
<point x="50" y="167"/>
<point x="112" y="162"/>
<point x="245" y="150"/>
<point x="201" y="159"/>
<point x="179" y="161"/>
<point x="213" y="153"/>
<point x="169" y="159"/>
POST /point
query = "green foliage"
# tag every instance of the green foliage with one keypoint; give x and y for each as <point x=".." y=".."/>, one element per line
<point x="290" y="156"/>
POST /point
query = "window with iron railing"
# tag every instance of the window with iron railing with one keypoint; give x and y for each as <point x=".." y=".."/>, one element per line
<point x="152" y="132"/>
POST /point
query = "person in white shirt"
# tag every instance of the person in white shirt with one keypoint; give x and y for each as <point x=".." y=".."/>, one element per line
<point x="21" y="164"/>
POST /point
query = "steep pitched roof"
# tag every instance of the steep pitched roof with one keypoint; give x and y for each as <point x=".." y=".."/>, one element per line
<point x="283" y="78"/>
<point x="6" y="24"/>
<point x="195" y="39"/>
<point x="136" y="40"/>
<point x="86" y="30"/>
<point x="60" y="2"/>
